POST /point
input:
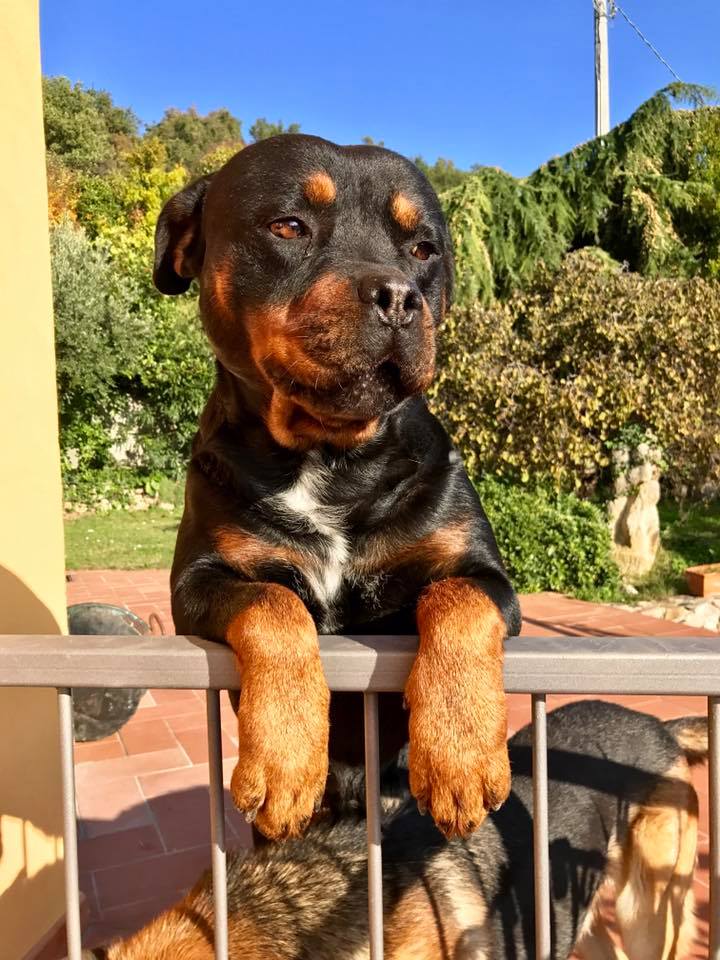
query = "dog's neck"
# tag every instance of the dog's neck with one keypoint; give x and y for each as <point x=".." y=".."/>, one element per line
<point x="239" y="398"/>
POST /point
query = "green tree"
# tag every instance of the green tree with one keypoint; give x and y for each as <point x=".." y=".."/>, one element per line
<point x="95" y="335"/>
<point x="215" y="159"/>
<point x="98" y="337"/>
<point x="83" y="127"/>
<point x="128" y="201"/>
<point x="188" y="136"/>
<point x="262" y="129"/>
<point x="443" y="174"/>
<point x="173" y="380"/>
<point x="647" y="194"/>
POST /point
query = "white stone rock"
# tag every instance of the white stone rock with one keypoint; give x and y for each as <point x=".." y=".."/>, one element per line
<point x="702" y="615"/>
<point x="657" y="612"/>
<point x="634" y="519"/>
<point x="676" y="614"/>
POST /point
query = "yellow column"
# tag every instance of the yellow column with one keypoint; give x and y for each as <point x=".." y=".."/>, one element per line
<point x="32" y="583"/>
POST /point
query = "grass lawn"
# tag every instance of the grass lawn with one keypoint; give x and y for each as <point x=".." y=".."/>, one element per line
<point x="121" y="539"/>
<point x="690" y="536"/>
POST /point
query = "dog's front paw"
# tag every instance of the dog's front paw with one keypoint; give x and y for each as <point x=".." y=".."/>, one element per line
<point x="459" y="766"/>
<point x="283" y="732"/>
<point x="459" y="769"/>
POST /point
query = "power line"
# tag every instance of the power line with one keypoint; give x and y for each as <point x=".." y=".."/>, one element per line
<point x="616" y="6"/>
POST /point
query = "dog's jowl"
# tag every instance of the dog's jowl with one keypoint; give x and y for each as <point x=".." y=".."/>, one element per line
<point x="322" y="495"/>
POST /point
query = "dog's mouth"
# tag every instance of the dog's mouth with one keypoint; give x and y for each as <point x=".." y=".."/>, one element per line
<point x="339" y="401"/>
<point x="303" y="422"/>
<point x="314" y="402"/>
<point x="299" y="426"/>
<point x="343" y="413"/>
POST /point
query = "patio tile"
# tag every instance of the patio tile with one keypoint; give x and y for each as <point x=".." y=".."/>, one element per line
<point x="87" y="887"/>
<point x="106" y="771"/>
<point x="241" y="836"/>
<point x="112" y="808"/>
<point x="165" y="874"/>
<point x="162" y="697"/>
<point x="147" y="700"/>
<point x="147" y="737"/>
<point x="183" y="821"/>
<point x="195" y="744"/>
<point x="182" y="818"/>
<point x="668" y="708"/>
<point x="633" y="701"/>
<point x="114" y="849"/>
<point x="176" y="708"/>
<point x="108" y="748"/>
<point x="188" y="721"/>
<point x="165" y="781"/>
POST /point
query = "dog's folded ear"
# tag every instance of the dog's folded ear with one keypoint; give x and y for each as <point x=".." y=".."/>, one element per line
<point x="179" y="243"/>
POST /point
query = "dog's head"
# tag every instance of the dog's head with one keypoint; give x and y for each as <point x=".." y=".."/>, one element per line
<point x="323" y="273"/>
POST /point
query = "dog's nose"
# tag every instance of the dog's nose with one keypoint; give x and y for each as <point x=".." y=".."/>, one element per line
<point x="398" y="300"/>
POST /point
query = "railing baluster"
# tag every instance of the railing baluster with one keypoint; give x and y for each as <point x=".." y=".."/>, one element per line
<point x="540" y="828"/>
<point x="374" y="826"/>
<point x="714" y="804"/>
<point x="217" y="824"/>
<point x="72" y="880"/>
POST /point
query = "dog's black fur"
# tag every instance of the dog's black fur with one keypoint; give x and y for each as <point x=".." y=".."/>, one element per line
<point x="368" y="292"/>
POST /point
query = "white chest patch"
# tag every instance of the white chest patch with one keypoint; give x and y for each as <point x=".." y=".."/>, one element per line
<point x="303" y="502"/>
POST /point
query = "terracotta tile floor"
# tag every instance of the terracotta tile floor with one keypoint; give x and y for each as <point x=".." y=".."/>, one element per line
<point x="142" y="794"/>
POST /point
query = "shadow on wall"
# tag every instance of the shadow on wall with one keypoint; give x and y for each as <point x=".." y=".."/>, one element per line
<point x="30" y="847"/>
<point x="19" y="606"/>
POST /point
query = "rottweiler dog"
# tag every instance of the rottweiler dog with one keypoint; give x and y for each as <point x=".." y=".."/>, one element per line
<point x="322" y="495"/>
<point x="623" y="828"/>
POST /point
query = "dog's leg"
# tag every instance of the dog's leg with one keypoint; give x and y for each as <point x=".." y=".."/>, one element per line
<point x="596" y="944"/>
<point x="594" y="941"/>
<point x="654" y="905"/>
<point x="459" y="767"/>
<point x="283" y="710"/>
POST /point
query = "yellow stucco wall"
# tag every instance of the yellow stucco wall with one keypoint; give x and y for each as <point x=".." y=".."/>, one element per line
<point x="32" y="584"/>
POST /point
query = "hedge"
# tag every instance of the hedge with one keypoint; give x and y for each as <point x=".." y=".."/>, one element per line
<point x="541" y="385"/>
<point x="551" y="541"/>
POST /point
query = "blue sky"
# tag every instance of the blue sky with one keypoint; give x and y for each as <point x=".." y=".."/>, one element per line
<point x="504" y="83"/>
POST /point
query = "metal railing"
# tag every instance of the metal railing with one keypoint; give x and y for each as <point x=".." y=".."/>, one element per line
<point x="370" y="665"/>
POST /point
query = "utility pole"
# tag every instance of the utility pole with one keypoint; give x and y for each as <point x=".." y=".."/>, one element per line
<point x="602" y="78"/>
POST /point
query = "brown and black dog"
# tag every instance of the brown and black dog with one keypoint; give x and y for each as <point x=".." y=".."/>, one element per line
<point x="622" y="824"/>
<point x="322" y="495"/>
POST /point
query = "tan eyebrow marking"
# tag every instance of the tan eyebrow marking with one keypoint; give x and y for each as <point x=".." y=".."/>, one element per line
<point x="404" y="211"/>
<point x="320" y="188"/>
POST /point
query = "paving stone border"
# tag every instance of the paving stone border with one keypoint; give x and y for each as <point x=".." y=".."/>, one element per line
<point x="703" y="612"/>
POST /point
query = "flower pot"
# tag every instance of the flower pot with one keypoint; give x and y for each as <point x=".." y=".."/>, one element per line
<point x="704" y="579"/>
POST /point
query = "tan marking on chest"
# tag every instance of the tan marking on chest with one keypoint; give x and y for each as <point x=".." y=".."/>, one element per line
<point x="439" y="552"/>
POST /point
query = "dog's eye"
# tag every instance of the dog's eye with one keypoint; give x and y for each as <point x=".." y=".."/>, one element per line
<point x="423" y="250"/>
<point x="289" y="228"/>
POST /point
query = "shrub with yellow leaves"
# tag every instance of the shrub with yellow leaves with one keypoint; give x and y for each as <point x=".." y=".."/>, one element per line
<point x="540" y="385"/>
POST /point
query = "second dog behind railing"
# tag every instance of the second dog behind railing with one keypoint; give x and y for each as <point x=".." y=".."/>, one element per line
<point x="623" y="822"/>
